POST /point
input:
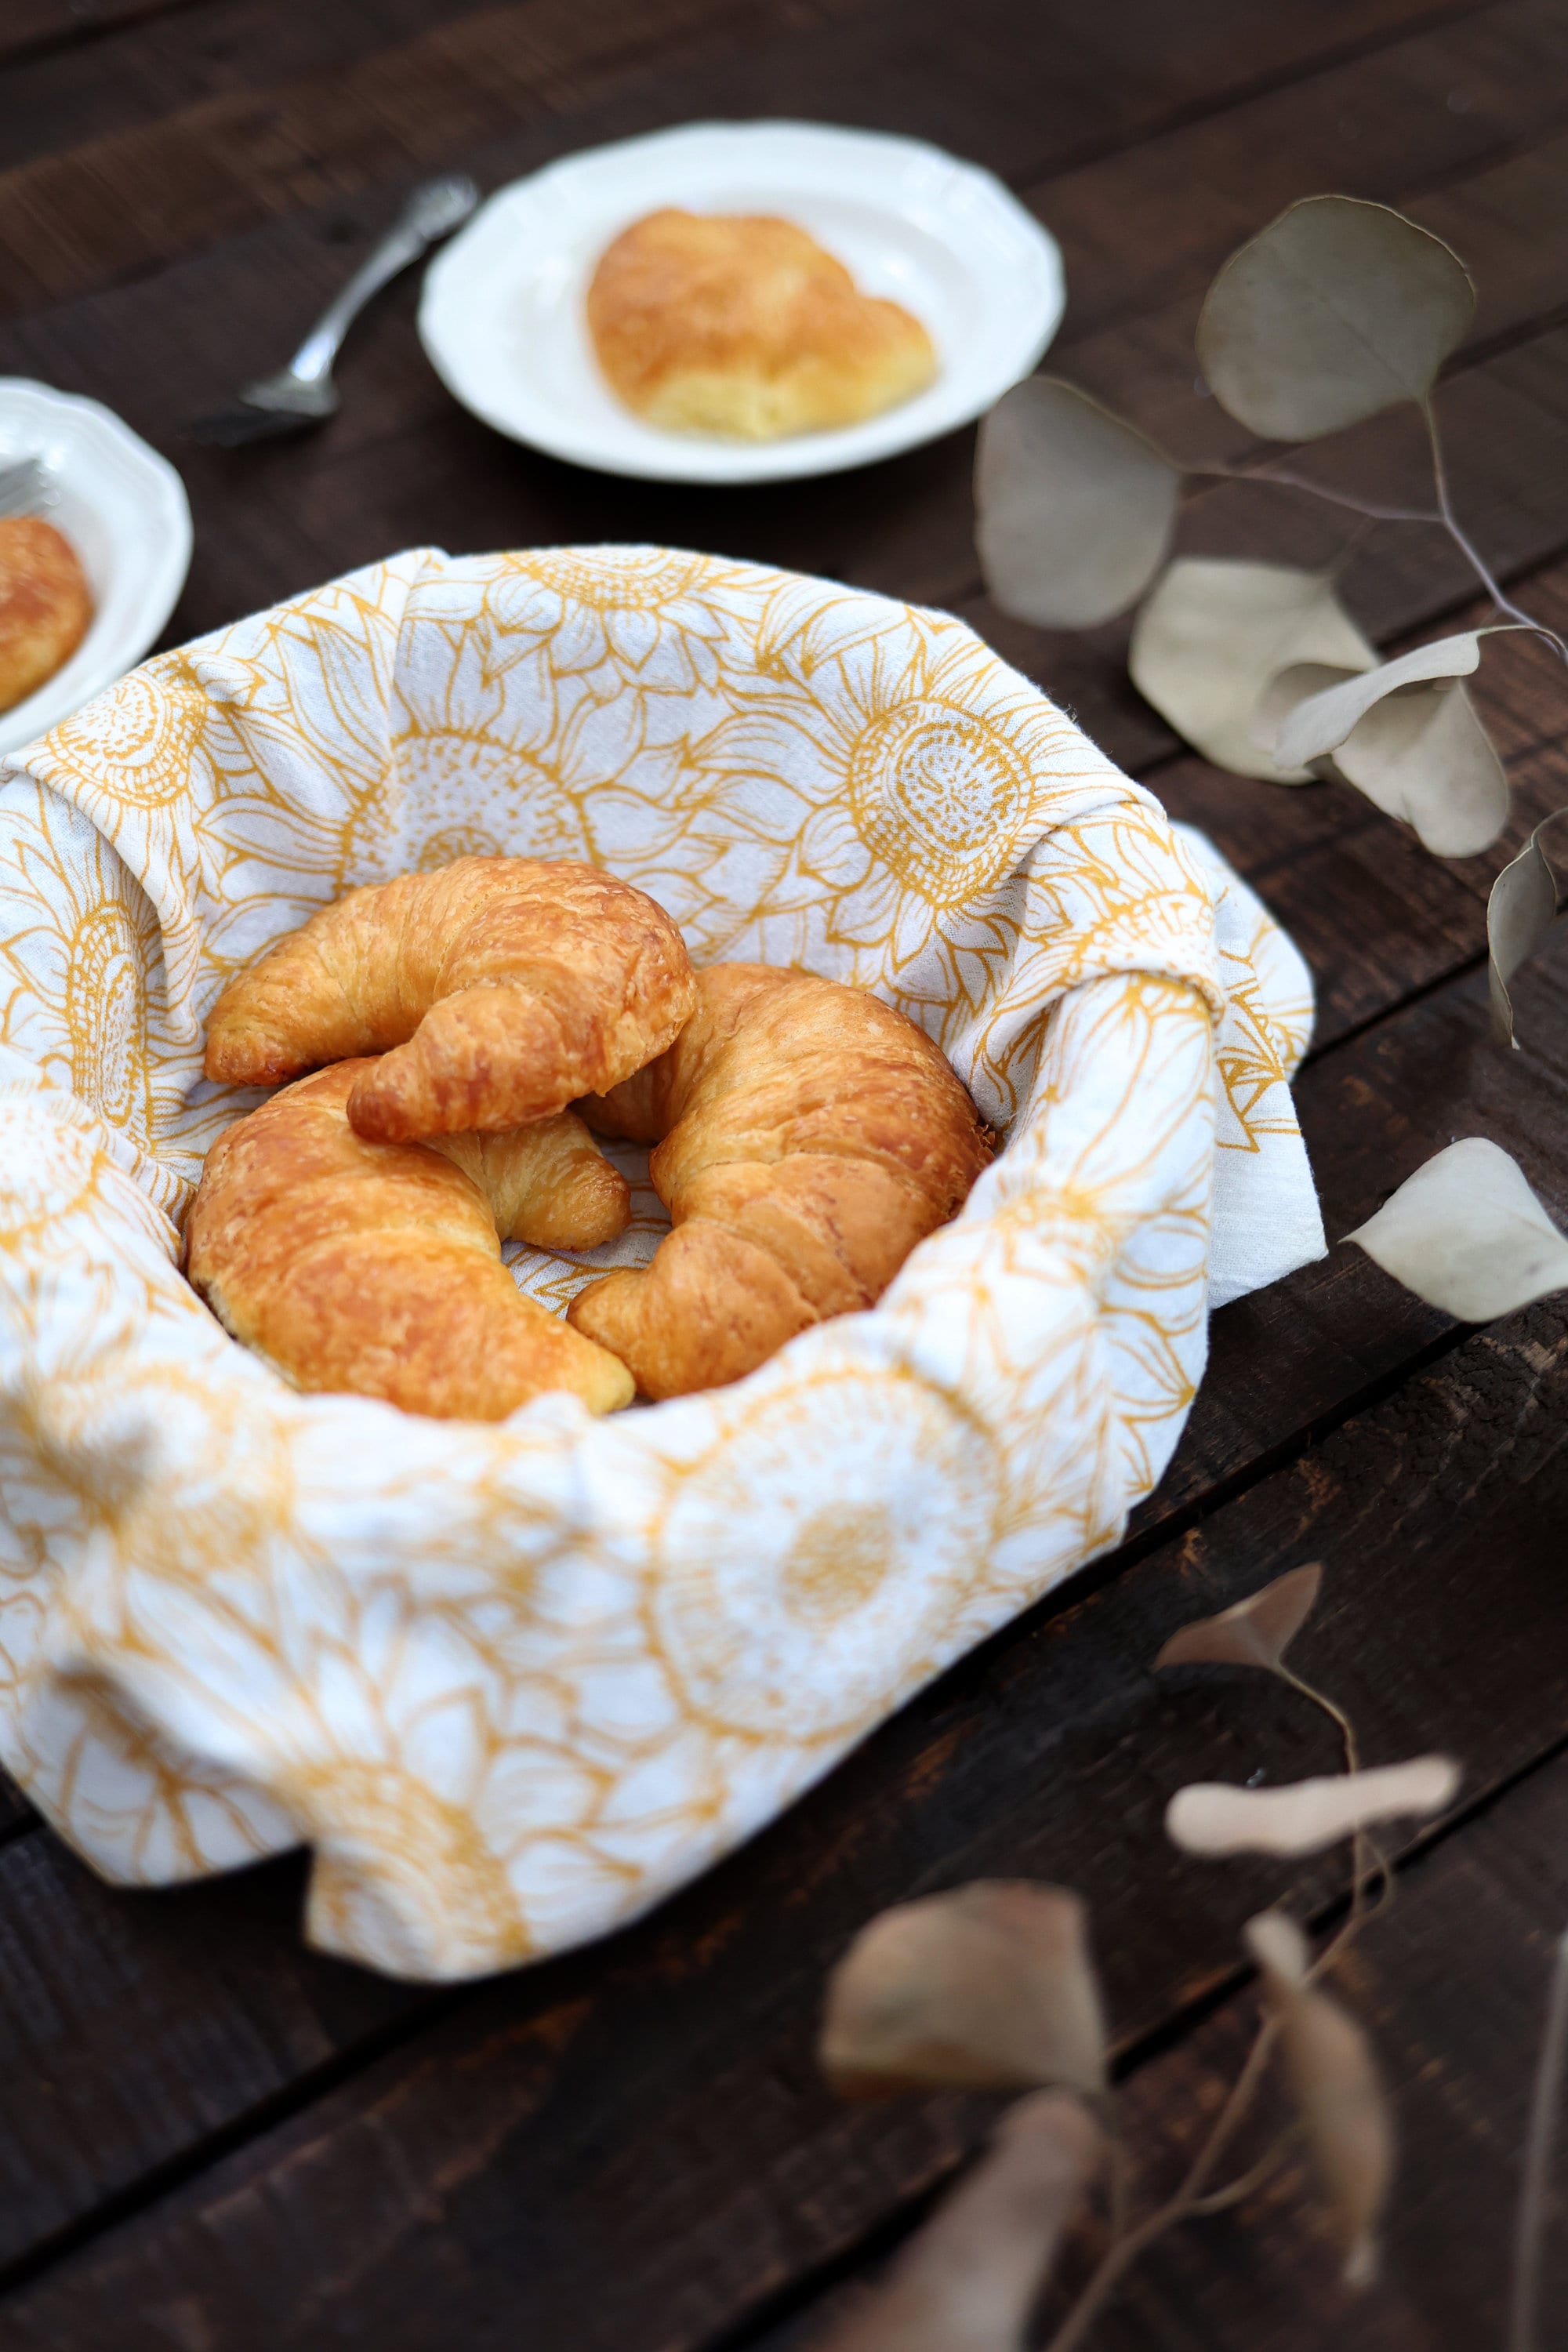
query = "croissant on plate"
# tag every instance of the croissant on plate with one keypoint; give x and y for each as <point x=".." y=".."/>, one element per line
<point x="808" y="1137"/>
<point x="495" y="990"/>
<point x="376" y="1268"/>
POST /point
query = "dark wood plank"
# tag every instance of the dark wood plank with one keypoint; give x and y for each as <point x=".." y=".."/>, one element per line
<point x="30" y="28"/>
<point x="147" y="189"/>
<point x="132" y="198"/>
<point x="156" y="62"/>
<point x="1143" y="231"/>
<point x="631" y="2146"/>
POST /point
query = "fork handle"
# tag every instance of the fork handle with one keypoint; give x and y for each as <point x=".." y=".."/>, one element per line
<point x="431" y="213"/>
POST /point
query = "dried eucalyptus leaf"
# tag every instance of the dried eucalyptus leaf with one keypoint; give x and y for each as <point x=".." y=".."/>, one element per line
<point x="1284" y="692"/>
<point x="1339" y="2096"/>
<point x="1074" y="508"/>
<point x="1280" y="1949"/>
<point x="990" y="1988"/>
<point x="1467" y="1234"/>
<point x="1521" y="912"/>
<point x="1335" y="310"/>
<point x="1322" y="721"/>
<point x="1212" y="636"/>
<point x="1212" y="1818"/>
<point x="1423" y="756"/>
<point x="969" y="2281"/>
<point x="1256" y="1631"/>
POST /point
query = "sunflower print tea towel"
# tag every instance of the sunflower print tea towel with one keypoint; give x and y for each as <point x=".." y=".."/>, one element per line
<point x="514" y="1682"/>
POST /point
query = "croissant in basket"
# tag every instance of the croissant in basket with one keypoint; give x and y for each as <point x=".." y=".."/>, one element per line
<point x="504" y="988"/>
<point x="808" y="1137"/>
<point x="376" y="1268"/>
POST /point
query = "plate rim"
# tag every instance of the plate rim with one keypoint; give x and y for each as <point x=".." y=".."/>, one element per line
<point x="792" y="457"/>
<point x="27" y="721"/>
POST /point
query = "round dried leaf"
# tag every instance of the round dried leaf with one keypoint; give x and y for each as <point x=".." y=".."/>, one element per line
<point x="1074" y="508"/>
<point x="1282" y="695"/>
<point x="1256" y="1631"/>
<point x="1521" y="912"/>
<point x="1422" y="755"/>
<point x="988" y="1989"/>
<point x="1467" y="1234"/>
<point x="1320" y="722"/>
<point x="1336" y="309"/>
<point x="1216" y="633"/>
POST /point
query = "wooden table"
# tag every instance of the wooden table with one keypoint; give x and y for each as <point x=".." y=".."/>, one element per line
<point x="213" y="2139"/>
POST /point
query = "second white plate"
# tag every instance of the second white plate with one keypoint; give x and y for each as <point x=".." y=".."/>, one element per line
<point x="123" y="508"/>
<point x="502" y="315"/>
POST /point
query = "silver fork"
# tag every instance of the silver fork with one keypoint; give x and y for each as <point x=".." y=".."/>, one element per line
<point x="27" y="487"/>
<point x="303" y="392"/>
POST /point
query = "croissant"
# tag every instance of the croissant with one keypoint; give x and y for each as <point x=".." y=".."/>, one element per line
<point x="505" y="987"/>
<point x="376" y="1268"/>
<point x="811" y="1136"/>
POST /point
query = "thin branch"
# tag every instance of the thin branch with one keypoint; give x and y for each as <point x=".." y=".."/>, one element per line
<point x="1287" y="481"/>
<point x="1176" y="2208"/>
<point x="1220" y="2200"/>
<point x="1531" y="2232"/>
<point x="1467" y="545"/>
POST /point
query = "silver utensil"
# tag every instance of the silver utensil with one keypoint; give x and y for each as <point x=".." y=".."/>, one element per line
<point x="303" y="392"/>
<point x="27" y="487"/>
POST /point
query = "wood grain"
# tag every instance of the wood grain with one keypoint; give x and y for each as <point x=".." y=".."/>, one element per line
<point x="276" y="141"/>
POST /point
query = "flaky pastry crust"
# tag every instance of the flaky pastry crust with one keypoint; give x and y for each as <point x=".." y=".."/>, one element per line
<point x="495" y="990"/>
<point x="808" y="1137"/>
<point x="376" y="1268"/>
<point x="742" y="325"/>
<point x="46" y="605"/>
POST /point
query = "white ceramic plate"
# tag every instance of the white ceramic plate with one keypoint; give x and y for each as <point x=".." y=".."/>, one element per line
<point x="124" y="510"/>
<point x="502" y="311"/>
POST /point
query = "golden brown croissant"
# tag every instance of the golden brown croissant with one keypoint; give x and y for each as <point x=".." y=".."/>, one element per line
<point x="46" y="605"/>
<point x="506" y="986"/>
<point x="742" y="324"/>
<point x="811" y="1137"/>
<point x="376" y="1268"/>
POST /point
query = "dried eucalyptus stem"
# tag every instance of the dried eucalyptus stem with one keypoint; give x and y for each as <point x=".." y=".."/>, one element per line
<point x="1530" y="2234"/>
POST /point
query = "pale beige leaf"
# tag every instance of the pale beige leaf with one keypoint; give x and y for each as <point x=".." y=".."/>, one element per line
<point x="1256" y="1631"/>
<point x="1339" y="2096"/>
<point x="988" y="1987"/>
<point x="969" y="2281"/>
<point x="1521" y="912"/>
<point x="1212" y="636"/>
<point x="1284" y="690"/>
<point x="1423" y="756"/>
<point x="1321" y="721"/>
<point x="1336" y="309"/>
<point x="1074" y="508"/>
<point x="1467" y="1234"/>
<point x="1280" y="1948"/>
<point x="1210" y="1817"/>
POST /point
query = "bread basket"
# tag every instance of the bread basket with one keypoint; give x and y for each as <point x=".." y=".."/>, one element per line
<point x="513" y="1682"/>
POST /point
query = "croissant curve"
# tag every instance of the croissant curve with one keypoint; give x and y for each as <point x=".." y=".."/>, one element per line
<point x="376" y="1268"/>
<point x="808" y="1137"/>
<point x="494" y="991"/>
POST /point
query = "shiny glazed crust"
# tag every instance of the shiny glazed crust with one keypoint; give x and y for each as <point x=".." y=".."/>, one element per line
<point x="496" y="991"/>
<point x="376" y="1268"/>
<point x="811" y="1136"/>
<point x="45" y="605"/>
<point x="742" y="325"/>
